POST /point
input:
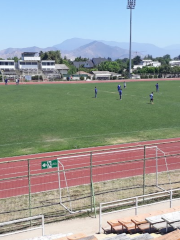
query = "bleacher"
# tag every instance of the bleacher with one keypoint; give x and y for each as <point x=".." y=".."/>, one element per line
<point x="51" y="74"/>
<point x="9" y="72"/>
<point x="52" y="237"/>
<point x="175" y="235"/>
<point x="156" y="221"/>
<point x="161" y="225"/>
<point x="30" y="70"/>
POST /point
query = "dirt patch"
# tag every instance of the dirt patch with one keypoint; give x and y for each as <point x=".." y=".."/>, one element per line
<point x="114" y="141"/>
<point x="52" y="139"/>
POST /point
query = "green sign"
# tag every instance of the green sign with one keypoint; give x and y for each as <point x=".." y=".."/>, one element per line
<point x="49" y="164"/>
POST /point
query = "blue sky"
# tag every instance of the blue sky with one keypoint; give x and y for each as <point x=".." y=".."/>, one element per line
<point x="44" y="23"/>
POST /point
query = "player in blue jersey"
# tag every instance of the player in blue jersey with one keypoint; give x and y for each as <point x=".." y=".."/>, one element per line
<point x="157" y="87"/>
<point x="120" y="94"/>
<point x="151" y="97"/>
<point x="95" y="91"/>
<point x="118" y="87"/>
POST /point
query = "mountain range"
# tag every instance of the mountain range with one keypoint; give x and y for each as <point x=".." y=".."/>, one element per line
<point x="90" y="48"/>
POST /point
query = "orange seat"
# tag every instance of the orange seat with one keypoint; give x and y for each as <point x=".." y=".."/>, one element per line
<point x="115" y="225"/>
<point x="128" y="224"/>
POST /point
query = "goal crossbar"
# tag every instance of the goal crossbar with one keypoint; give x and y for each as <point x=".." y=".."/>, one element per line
<point x="61" y="165"/>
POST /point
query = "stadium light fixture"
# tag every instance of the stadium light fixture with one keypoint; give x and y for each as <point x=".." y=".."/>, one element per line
<point x="130" y="5"/>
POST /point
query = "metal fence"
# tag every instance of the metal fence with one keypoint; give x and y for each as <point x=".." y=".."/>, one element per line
<point x="81" y="181"/>
<point x="138" y="202"/>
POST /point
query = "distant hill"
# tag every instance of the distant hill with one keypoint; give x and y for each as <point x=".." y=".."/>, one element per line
<point x="16" y="52"/>
<point x="141" y="48"/>
<point x="90" y="48"/>
<point x="98" y="49"/>
<point x="72" y="44"/>
<point x="173" y="47"/>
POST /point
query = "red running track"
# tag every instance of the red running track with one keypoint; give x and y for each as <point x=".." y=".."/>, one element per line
<point x="93" y="81"/>
<point x="14" y="170"/>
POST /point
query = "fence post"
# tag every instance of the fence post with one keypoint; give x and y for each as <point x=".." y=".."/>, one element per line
<point x="29" y="184"/>
<point x="144" y="170"/>
<point x="136" y="208"/>
<point x="92" y="188"/>
<point x="171" y="193"/>
<point x="42" y="225"/>
<point x="91" y="179"/>
<point x="156" y="168"/>
<point x="100" y="218"/>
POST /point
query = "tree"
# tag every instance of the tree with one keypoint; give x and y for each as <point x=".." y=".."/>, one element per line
<point x="80" y="59"/>
<point x="136" y="60"/>
<point x="123" y="65"/>
<point x="148" y="57"/>
<point x="177" y="58"/>
<point x="164" y="69"/>
<point x="72" y="68"/>
<point x="109" y="66"/>
<point x="162" y="60"/>
<point x="51" y="55"/>
<point x="167" y="57"/>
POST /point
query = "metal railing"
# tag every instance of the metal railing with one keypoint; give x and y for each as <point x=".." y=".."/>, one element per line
<point x="135" y="200"/>
<point x="24" y="220"/>
<point x="92" y="177"/>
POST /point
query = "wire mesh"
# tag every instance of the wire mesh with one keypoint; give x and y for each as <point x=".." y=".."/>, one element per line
<point x="27" y="190"/>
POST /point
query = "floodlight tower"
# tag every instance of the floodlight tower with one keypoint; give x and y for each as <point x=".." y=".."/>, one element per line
<point x="130" y="5"/>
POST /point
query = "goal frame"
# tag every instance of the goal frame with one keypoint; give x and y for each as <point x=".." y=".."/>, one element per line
<point x="91" y="154"/>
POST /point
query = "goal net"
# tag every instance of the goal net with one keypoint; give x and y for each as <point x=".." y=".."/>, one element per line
<point x="110" y="174"/>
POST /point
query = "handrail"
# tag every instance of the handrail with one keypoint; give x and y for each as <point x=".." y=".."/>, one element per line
<point x="134" y="200"/>
<point x="24" y="220"/>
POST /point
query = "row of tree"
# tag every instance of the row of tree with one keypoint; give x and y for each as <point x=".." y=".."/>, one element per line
<point x="118" y="66"/>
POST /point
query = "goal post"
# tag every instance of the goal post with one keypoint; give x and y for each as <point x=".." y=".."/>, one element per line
<point x="96" y="167"/>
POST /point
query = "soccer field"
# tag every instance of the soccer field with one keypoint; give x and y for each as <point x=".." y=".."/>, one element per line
<point x="41" y="118"/>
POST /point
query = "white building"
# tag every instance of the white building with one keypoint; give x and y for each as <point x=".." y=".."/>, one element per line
<point x="145" y="63"/>
<point x="150" y="63"/>
<point x="102" y="75"/>
<point x="7" y="65"/>
<point x="29" y="61"/>
<point x="48" y="65"/>
<point x="61" y="68"/>
<point x="174" y="63"/>
<point x="137" y="66"/>
<point x="156" y="64"/>
<point x="30" y="65"/>
<point x="7" y="68"/>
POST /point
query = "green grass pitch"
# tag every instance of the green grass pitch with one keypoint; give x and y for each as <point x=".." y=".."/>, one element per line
<point x="41" y="118"/>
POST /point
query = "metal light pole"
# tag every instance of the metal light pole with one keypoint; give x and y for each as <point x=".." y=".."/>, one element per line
<point x="130" y="5"/>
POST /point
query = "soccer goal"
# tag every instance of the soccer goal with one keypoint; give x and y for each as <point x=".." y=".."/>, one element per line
<point x="86" y="169"/>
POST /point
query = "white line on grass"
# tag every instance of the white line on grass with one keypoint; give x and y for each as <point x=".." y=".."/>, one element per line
<point x="109" y="92"/>
<point x="20" y="143"/>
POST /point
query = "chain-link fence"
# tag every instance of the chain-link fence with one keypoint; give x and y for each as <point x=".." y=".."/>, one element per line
<point x="58" y="186"/>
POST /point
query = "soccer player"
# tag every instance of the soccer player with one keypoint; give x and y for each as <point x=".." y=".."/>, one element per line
<point x="118" y="87"/>
<point x="157" y="87"/>
<point x="151" y="97"/>
<point x="120" y="94"/>
<point x="124" y="84"/>
<point x="95" y="91"/>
